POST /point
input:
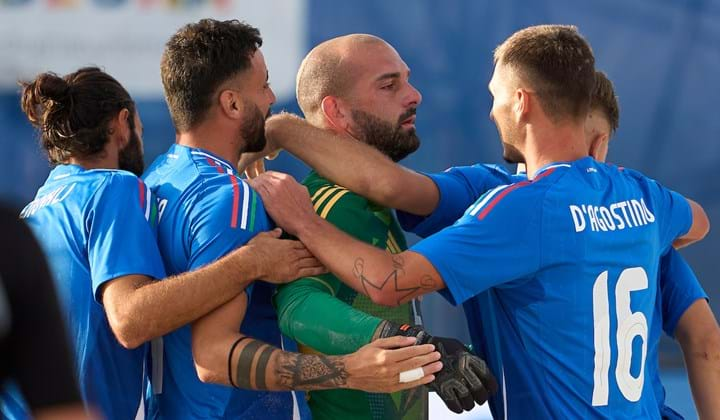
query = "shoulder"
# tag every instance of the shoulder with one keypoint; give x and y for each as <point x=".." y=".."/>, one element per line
<point x="330" y="198"/>
<point x="516" y="198"/>
<point x="118" y="184"/>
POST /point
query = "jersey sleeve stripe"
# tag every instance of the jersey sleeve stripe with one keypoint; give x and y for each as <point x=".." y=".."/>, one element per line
<point x="141" y="188"/>
<point x="390" y="247"/>
<point x="319" y="203"/>
<point x="252" y="210"/>
<point x="246" y="201"/>
<point x="148" y="202"/>
<point x="236" y="194"/>
<point x="488" y="196"/>
<point x="508" y="190"/>
<point x="392" y="240"/>
<point x="318" y="192"/>
<point x="332" y="202"/>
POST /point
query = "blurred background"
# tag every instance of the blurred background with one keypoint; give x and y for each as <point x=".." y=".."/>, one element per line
<point x="662" y="55"/>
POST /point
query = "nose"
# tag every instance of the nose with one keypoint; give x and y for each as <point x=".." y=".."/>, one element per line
<point x="272" y="96"/>
<point x="414" y="97"/>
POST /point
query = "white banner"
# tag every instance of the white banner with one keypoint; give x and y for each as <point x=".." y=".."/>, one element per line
<point x="126" y="37"/>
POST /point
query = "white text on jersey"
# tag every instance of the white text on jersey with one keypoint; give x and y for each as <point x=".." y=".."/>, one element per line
<point x="52" y="197"/>
<point x="616" y="216"/>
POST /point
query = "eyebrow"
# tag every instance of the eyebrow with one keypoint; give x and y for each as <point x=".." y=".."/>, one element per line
<point x="395" y="75"/>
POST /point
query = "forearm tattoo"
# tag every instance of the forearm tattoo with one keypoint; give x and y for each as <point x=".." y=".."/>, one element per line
<point x="248" y="355"/>
<point x="426" y="281"/>
<point x="309" y="371"/>
<point x="292" y="370"/>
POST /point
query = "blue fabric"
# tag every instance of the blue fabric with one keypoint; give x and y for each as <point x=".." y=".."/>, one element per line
<point x="527" y="269"/>
<point x="458" y="188"/>
<point x="207" y="211"/>
<point x="679" y="287"/>
<point x="92" y="227"/>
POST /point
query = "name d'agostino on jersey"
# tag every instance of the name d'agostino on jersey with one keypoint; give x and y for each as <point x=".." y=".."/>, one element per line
<point x="617" y="216"/>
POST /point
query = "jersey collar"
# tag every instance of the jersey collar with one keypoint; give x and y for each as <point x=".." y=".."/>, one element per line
<point x="197" y="152"/>
<point x="568" y="164"/>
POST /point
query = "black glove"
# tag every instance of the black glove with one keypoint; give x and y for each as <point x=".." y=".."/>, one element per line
<point x="464" y="379"/>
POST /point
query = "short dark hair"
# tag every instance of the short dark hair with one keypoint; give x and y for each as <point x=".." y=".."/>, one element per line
<point x="557" y="62"/>
<point x="198" y="59"/>
<point x="73" y="112"/>
<point x="604" y="99"/>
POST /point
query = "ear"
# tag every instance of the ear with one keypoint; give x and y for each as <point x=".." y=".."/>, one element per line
<point x="599" y="146"/>
<point x="335" y="113"/>
<point x="231" y="104"/>
<point x="120" y="128"/>
<point x="521" y="104"/>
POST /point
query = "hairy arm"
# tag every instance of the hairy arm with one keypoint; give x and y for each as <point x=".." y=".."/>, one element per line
<point x="257" y="365"/>
<point x="699" y="336"/>
<point x="387" y="279"/>
<point x="139" y="308"/>
<point x="355" y="165"/>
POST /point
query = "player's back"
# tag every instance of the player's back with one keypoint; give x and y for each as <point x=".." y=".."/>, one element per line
<point x="75" y="217"/>
<point x="566" y="326"/>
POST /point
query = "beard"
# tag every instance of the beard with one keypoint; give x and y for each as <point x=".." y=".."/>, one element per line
<point x="252" y="129"/>
<point x="509" y="137"/>
<point x="130" y="157"/>
<point x="511" y="154"/>
<point x="387" y="137"/>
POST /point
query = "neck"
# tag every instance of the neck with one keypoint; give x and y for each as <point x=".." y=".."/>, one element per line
<point x="108" y="159"/>
<point x="216" y="140"/>
<point x="548" y="143"/>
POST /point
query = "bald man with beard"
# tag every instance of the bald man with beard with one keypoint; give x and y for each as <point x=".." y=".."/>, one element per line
<point x="357" y="86"/>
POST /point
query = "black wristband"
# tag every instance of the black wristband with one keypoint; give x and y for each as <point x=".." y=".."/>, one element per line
<point x="232" y="350"/>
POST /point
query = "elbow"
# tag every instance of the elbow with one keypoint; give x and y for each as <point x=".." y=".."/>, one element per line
<point x="209" y="358"/>
<point x="385" y="299"/>
<point x="206" y="376"/>
<point x="705" y="348"/>
<point x="710" y="348"/>
<point x="206" y="366"/>
<point x="127" y="333"/>
<point x="701" y="222"/>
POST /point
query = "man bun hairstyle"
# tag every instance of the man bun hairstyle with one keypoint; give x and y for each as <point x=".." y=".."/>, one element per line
<point x="73" y="113"/>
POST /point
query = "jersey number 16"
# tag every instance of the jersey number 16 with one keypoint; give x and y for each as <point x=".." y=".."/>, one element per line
<point x="629" y="325"/>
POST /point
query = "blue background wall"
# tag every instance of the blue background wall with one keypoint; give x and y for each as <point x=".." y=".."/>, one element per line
<point x="663" y="55"/>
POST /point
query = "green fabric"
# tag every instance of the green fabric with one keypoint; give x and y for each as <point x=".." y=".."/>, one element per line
<point x="324" y="315"/>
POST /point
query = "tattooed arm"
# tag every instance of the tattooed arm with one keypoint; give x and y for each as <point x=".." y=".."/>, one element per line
<point x="257" y="365"/>
<point x="387" y="279"/>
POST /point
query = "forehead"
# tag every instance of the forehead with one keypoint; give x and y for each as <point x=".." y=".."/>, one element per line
<point x="372" y="61"/>
<point x="258" y="68"/>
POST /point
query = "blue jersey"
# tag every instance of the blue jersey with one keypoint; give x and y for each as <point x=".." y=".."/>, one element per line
<point x="461" y="186"/>
<point x="554" y="274"/>
<point x="206" y="211"/>
<point x="458" y="188"/>
<point x="93" y="227"/>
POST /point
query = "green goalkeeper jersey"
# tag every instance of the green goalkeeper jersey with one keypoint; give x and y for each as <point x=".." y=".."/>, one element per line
<point x="325" y="316"/>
